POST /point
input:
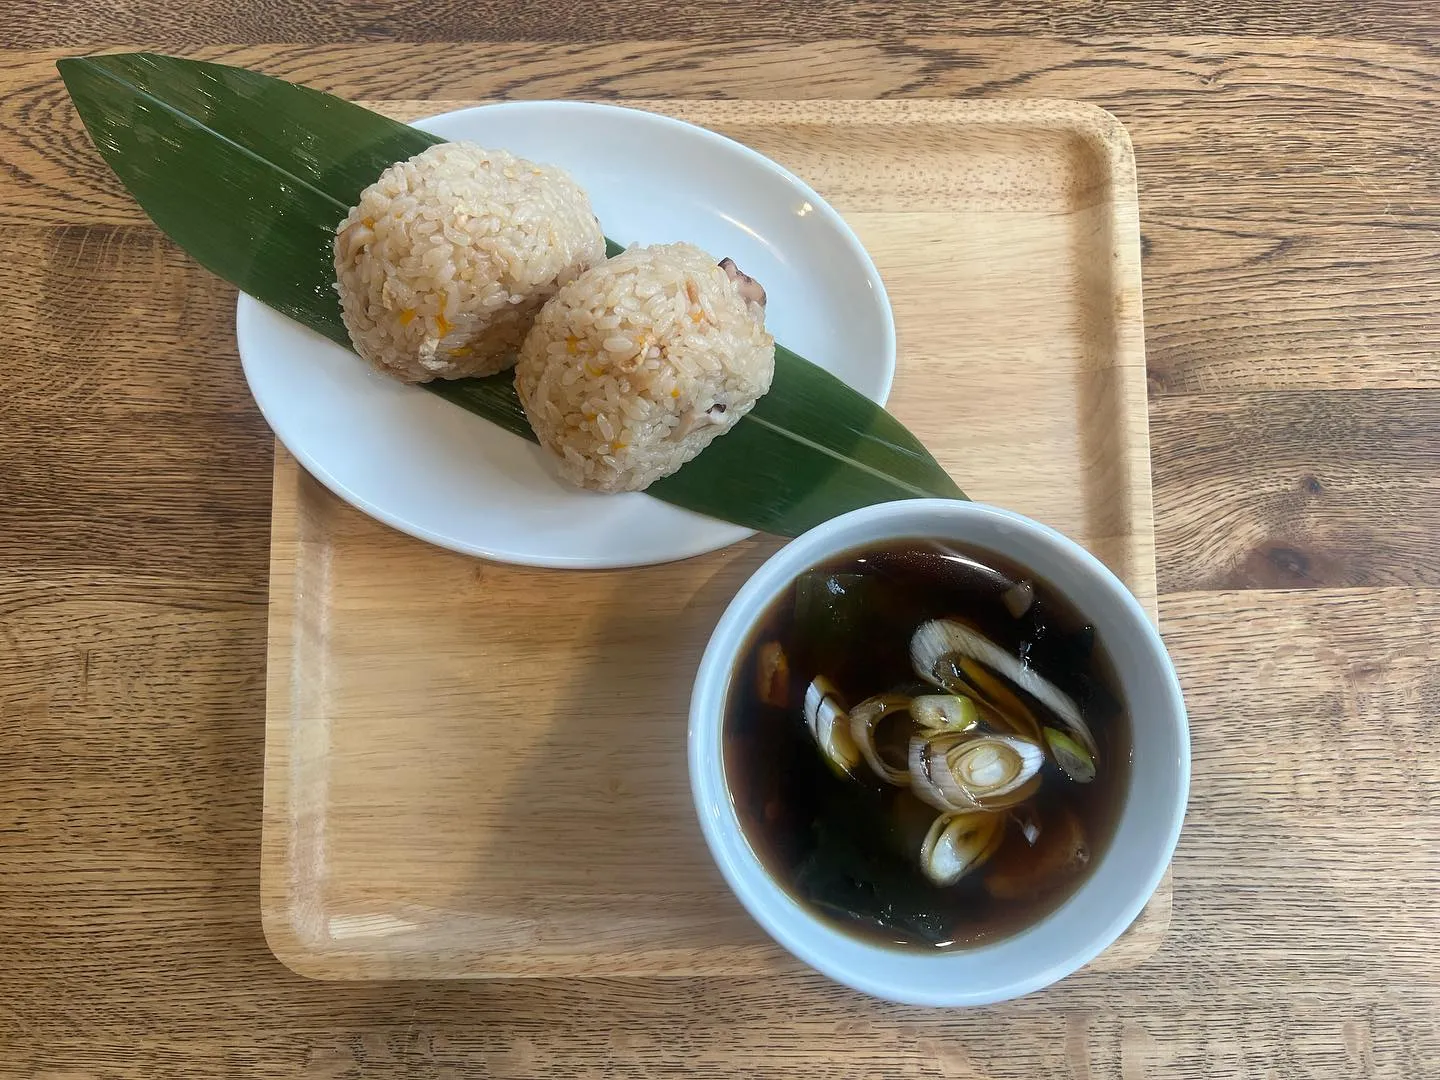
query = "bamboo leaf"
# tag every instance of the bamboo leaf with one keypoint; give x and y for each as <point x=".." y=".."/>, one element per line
<point x="251" y="174"/>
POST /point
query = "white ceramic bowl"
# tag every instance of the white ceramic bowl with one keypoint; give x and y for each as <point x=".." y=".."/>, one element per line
<point x="1126" y="874"/>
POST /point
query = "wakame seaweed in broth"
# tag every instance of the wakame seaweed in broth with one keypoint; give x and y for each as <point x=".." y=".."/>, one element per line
<point x="851" y="843"/>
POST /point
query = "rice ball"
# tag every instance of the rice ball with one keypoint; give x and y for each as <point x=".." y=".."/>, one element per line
<point x="641" y="362"/>
<point x="444" y="262"/>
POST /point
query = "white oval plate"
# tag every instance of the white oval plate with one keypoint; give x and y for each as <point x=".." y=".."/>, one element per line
<point x="437" y="472"/>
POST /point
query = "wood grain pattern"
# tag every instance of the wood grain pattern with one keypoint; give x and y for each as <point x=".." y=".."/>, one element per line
<point x="318" y="22"/>
<point x="1290" y="214"/>
<point x="1344" y="488"/>
<point x="416" y="698"/>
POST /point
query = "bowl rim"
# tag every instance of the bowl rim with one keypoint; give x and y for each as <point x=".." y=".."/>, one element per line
<point x="773" y="908"/>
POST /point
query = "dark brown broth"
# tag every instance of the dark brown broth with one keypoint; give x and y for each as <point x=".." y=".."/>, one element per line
<point x="849" y="849"/>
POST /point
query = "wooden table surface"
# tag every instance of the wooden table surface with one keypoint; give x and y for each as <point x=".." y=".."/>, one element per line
<point x="1290" y="201"/>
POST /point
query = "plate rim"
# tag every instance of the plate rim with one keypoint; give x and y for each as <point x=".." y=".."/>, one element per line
<point x="246" y="305"/>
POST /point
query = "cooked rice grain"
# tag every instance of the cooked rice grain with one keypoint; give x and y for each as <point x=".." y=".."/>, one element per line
<point x="444" y="262"/>
<point x="638" y="364"/>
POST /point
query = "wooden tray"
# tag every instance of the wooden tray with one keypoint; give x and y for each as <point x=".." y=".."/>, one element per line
<point x="479" y="770"/>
